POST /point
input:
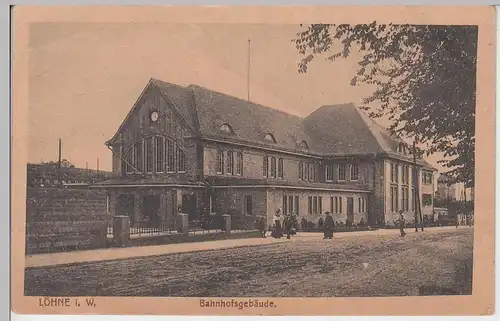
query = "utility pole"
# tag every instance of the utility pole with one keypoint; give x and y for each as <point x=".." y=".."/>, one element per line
<point x="415" y="182"/>
<point x="60" y="154"/>
<point x="248" y="71"/>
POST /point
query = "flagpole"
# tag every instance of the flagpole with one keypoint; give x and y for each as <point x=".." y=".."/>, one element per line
<point x="248" y="72"/>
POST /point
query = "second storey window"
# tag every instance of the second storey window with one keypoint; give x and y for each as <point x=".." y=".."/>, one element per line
<point x="312" y="172"/>
<point x="342" y="172"/>
<point x="354" y="172"/>
<point x="280" y="167"/>
<point x="181" y="161"/>
<point x="239" y="163"/>
<point x="230" y="163"/>
<point x="265" y="166"/>
<point x="220" y="161"/>
<point x="273" y="167"/>
<point x="329" y="173"/>
<point x="301" y="170"/>
<point x="306" y="172"/>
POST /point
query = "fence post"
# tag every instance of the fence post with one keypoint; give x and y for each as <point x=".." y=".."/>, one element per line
<point x="121" y="230"/>
<point x="183" y="222"/>
<point x="227" y="223"/>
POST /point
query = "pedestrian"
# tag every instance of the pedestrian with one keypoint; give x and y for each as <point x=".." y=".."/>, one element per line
<point x="329" y="225"/>
<point x="402" y="224"/>
<point x="277" y="232"/>
<point x="262" y="226"/>
<point x="288" y="225"/>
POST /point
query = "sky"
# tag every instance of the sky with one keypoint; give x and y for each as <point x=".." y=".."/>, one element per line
<point x="85" y="77"/>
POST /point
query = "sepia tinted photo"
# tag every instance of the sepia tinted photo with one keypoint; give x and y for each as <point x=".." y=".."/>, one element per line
<point x="227" y="161"/>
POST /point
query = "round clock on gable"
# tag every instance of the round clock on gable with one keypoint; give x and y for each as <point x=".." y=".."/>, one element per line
<point x="154" y="116"/>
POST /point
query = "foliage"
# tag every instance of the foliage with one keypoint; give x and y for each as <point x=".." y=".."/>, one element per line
<point x="424" y="80"/>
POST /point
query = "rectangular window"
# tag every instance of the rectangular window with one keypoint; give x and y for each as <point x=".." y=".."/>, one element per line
<point x="265" y="166"/>
<point x="331" y="204"/>
<point x="342" y="172"/>
<point x="220" y="161"/>
<point x="301" y="170"/>
<point x="336" y="204"/>
<point x="306" y="171"/>
<point x="407" y="199"/>
<point x="230" y="163"/>
<point x="297" y="205"/>
<point x="354" y="172"/>
<point x="315" y="205"/>
<point x="360" y="209"/>
<point x="280" y="167"/>
<point x="309" y="205"/>
<point x="341" y="201"/>
<point x="312" y="172"/>
<point x="291" y="210"/>
<point x="394" y="198"/>
<point x="248" y="205"/>
<point x="285" y="205"/>
<point x="426" y="199"/>
<point x="320" y="205"/>
<point x="149" y="155"/>
<point x="273" y="167"/>
<point x="239" y="163"/>
<point x="329" y="172"/>
<point x="160" y="154"/>
<point x="181" y="160"/>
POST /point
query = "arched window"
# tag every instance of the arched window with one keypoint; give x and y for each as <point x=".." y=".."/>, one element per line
<point x="149" y="155"/>
<point x="220" y="161"/>
<point x="273" y="166"/>
<point x="170" y="156"/>
<point x="270" y="138"/>
<point x="239" y="163"/>
<point x="160" y="154"/>
<point x="226" y="128"/>
<point x="230" y="163"/>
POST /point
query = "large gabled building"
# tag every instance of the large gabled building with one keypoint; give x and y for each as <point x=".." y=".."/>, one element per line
<point x="201" y="152"/>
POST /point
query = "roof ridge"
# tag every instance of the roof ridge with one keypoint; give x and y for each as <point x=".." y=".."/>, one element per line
<point x="245" y="101"/>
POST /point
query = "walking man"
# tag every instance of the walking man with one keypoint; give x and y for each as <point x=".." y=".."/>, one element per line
<point x="402" y="224"/>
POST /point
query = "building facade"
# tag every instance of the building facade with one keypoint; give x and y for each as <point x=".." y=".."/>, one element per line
<point x="200" y="152"/>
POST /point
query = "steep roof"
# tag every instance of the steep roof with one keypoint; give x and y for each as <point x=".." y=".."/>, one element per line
<point x="333" y="130"/>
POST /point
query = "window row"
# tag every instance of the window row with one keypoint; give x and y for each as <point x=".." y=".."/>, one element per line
<point x="307" y="172"/>
<point x="427" y="178"/>
<point x="228" y="160"/>
<point x="315" y="205"/>
<point x="155" y="154"/>
<point x="336" y="204"/>
<point x="272" y="167"/>
<point x="290" y="204"/>
<point x="404" y="204"/>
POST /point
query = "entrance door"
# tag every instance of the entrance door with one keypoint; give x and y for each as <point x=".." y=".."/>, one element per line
<point x="151" y="209"/>
<point x="189" y="206"/>
<point x="350" y="210"/>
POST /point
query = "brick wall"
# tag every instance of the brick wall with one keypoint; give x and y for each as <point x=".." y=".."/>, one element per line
<point x="59" y="219"/>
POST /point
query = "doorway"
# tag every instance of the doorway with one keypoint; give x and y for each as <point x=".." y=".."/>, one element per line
<point x="151" y="209"/>
<point x="189" y="206"/>
<point x="350" y="210"/>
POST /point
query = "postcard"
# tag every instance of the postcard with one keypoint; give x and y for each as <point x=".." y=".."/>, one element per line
<point x="253" y="160"/>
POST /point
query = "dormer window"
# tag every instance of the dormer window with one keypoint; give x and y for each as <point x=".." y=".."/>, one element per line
<point x="303" y="144"/>
<point x="226" y="128"/>
<point x="270" y="138"/>
<point x="402" y="148"/>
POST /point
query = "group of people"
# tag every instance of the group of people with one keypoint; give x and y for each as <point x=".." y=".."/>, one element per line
<point x="286" y="225"/>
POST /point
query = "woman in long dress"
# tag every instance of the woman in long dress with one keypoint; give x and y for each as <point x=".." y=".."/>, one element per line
<point x="328" y="225"/>
<point x="277" y="231"/>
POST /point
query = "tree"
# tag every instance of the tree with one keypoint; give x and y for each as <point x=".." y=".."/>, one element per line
<point x="424" y="80"/>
